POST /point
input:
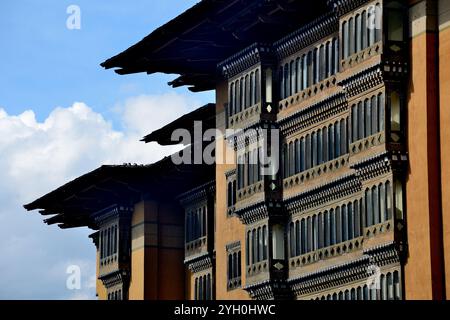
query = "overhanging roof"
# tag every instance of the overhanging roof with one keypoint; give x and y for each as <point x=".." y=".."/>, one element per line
<point x="206" y="116"/>
<point x="193" y="43"/>
<point x="72" y="204"/>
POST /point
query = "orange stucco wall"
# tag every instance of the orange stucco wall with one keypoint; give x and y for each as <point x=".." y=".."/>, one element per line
<point x="228" y="229"/>
<point x="444" y="93"/>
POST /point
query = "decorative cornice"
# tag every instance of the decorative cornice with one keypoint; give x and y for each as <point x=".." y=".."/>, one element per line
<point x="313" y="114"/>
<point x="230" y="173"/>
<point x="233" y="246"/>
<point x="197" y="194"/>
<point x="112" y="212"/>
<point x="307" y="35"/>
<point x="363" y="80"/>
<point x="342" y="7"/>
<point x="199" y="263"/>
<point x="319" y="195"/>
<point x="260" y="291"/>
<point x="245" y="59"/>
<point x="115" y="278"/>
<point x="373" y="166"/>
<point x="253" y="213"/>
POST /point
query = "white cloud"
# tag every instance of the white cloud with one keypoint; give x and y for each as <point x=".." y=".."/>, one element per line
<point x="37" y="157"/>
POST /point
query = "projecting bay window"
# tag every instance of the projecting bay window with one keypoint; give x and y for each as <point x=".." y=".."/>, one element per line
<point x="248" y="168"/>
<point x="244" y="92"/>
<point x="203" y="287"/>
<point x="256" y="245"/>
<point x="234" y="266"/>
<point x="108" y="242"/>
<point x="196" y="228"/>
<point x="345" y="222"/>
<point x="368" y="117"/>
<point x="315" y="148"/>
<point x="308" y="68"/>
<point x="361" y="30"/>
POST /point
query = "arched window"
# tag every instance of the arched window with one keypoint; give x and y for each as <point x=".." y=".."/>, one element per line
<point x="335" y="56"/>
<point x="351" y="37"/>
<point x="337" y="140"/>
<point x="388" y="200"/>
<point x="287" y="83"/>
<point x="309" y="239"/>
<point x="397" y="289"/>
<point x="293" y="88"/>
<point x="304" y="72"/>
<point x="371" y="21"/>
<point x="381" y="106"/>
<point x="325" y="144"/>
<point x="354" y="123"/>
<point x="390" y="283"/>
<point x="254" y="246"/>
<point x="242" y="94"/>
<point x="292" y="239"/>
<point x="297" y="156"/>
<point x="338" y="225"/>
<point x="230" y="266"/>
<point x="285" y="161"/>
<point x="327" y="231"/>
<point x="361" y="129"/>
<point x="344" y="141"/>
<point x="344" y="223"/>
<point x="200" y="289"/>
<point x="358" y="32"/>
<point x="369" y="214"/>
<point x="282" y="85"/>
<point x="376" y="205"/>
<point x="345" y="48"/>
<point x="302" y="155"/>
<point x="297" y="239"/>
<point x="314" y="149"/>
<point x="316" y="65"/>
<point x="260" y="244"/>
<point x="310" y="68"/>
<point x="383" y="287"/>
<point x="291" y="159"/>
<point x="208" y="287"/>
<point x="231" y="102"/>
<point x="374" y="105"/>
<point x="257" y="86"/>
<point x="299" y="72"/>
<point x="331" y="142"/>
<point x="329" y="58"/>
<point x="378" y="22"/>
<point x="364" y="29"/>
<point x="319" y="147"/>
<point x="320" y="230"/>
<point x="248" y="249"/>
<point x="322" y="63"/>
<point x="252" y="89"/>
<point x="332" y="227"/>
<point x="356" y="219"/>
<point x="308" y="152"/>
<point x="304" y="247"/>
<point x="315" y="235"/>
<point x="368" y="116"/>
<point x="350" y="221"/>
<point x="265" y="246"/>
<point x="230" y="199"/>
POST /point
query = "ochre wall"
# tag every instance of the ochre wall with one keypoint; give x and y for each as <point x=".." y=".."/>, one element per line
<point x="227" y="229"/>
<point x="423" y="268"/>
<point x="157" y="270"/>
<point x="444" y="92"/>
<point x="100" y="288"/>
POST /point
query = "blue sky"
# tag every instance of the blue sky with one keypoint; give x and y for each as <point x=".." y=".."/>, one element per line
<point x="44" y="64"/>
<point x="62" y="115"/>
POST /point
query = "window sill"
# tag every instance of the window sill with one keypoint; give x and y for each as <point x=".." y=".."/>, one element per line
<point x="243" y="116"/>
<point x="362" y="55"/>
<point x="315" y="172"/>
<point x="307" y="93"/>
<point x="367" y="143"/>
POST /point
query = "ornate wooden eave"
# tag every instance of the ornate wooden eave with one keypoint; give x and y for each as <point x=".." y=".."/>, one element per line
<point x="343" y="186"/>
<point x="342" y="7"/>
<point x="363" y="81"/>
<point x="116" y="277"/>
<point x="199" y="263"/>
<point x="379" y="164"/>
<point x="252" y="213"/>
<point x="313" y="114"/>
<point x="197" y="194"/>
<point x="246" y="59"/>
<point x="320" y="28"/>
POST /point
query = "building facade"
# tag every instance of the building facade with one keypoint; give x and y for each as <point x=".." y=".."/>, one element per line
<point x="330" y="180"/>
